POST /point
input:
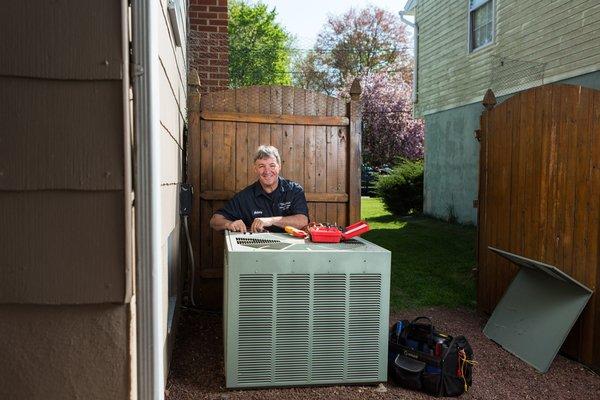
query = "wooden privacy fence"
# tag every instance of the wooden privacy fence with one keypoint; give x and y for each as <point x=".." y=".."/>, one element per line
<point x="539" y="196"/>
<point x="318" y="138"/>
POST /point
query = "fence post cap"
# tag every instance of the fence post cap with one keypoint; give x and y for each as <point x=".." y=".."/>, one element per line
<point x="489" y="100"/>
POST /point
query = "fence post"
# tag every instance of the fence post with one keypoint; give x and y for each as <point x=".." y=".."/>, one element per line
<point x="481" y="273"/>
<point x="193" y="170"/>
<point x="355" y="161"/>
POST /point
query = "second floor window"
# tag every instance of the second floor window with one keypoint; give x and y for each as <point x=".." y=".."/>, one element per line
<point x="481" y="23"/>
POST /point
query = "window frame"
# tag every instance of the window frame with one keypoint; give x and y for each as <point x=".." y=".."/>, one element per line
<point x="470" y="11"/>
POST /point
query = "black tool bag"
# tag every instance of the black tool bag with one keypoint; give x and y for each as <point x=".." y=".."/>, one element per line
<point x="420" y="358"/>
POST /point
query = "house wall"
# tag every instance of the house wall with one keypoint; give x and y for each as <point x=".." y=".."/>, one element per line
<point x="452" y="157"/>
<point x="66" y="283"/>
<point x="558" y="39"/>
<point x="451" y="163"/>
<point x="209" y="43"/>
<point x="536" y="42"/>
<point x="172" y="100"/>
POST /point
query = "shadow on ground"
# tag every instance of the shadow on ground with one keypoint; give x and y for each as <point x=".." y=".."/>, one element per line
<point x="197" y="367"/>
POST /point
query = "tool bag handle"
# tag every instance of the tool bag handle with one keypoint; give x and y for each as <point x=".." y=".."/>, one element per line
<point x="413" y="323"/>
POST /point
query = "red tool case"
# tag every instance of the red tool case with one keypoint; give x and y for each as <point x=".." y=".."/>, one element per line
<point x="332" y="234"/>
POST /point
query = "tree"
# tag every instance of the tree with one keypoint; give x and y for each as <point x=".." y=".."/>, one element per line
<point x="389" y="130"/>
<point x="355" y="44"/>
<point x="259" y="48"/>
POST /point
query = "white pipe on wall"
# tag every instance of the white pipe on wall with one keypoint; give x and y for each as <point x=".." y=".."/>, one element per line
<point x="416" y="52"/>
<point x="149" y="287"/>
<point x="127" y="189"/>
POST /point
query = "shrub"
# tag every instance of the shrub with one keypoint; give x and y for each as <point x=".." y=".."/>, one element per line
<point x="402" y="190"/>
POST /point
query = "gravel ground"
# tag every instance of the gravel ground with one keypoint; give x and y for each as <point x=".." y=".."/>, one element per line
<point x="197" y="367"/>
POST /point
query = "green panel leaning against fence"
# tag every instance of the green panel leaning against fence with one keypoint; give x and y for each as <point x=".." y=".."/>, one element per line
<point x="432" y="260"/>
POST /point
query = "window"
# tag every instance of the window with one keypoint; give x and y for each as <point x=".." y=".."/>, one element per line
<point x="481" y="23"/>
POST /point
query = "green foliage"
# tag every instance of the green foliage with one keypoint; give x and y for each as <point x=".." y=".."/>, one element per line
<point x="259" y="48"/>
<point x="402" y="190"/>
<point x="431" y="259"/>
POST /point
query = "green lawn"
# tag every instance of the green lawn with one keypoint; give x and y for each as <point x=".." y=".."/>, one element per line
<point x="431" y="259"/>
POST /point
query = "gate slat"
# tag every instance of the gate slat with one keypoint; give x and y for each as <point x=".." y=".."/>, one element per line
<point x="332" y="156"/>
<point x="503" y="223"/>
<point x="287" y="139"/>
<point x="571" y="130"/>
<point x="310" y="182"/>
<point x="276" y="108"/>
<point x="527" y="115"/>
<point x="297" y="154"/>
<point x="264" y="107"/>
<point x="320" y="214"/>
<point x="591" y="330"/>
<point x="516" y="169"/>
<point x="342" y="165"/>
<point x="241" y="143"/>
<point x="561" y="182"/>
<point x="550" y="250"/>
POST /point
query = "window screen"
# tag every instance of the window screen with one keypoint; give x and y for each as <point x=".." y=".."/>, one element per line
<point x="481" y="23"/>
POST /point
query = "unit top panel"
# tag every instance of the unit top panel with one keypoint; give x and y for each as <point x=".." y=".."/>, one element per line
<point x="276" y="242"/>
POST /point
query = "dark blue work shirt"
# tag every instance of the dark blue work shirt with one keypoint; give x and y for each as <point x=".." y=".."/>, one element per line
<point x="253" y="202"/>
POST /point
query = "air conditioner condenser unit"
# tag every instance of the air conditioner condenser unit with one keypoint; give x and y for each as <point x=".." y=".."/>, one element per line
<point x="298" y="313"/>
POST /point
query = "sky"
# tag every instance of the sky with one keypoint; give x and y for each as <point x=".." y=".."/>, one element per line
<point x="304" y="18"/>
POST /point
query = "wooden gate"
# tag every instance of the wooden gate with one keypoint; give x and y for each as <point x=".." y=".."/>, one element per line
<point x="539" y="196"/>
<point x="318" y="139"/>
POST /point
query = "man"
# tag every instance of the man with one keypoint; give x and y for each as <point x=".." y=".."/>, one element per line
<point x="270" y="203"/>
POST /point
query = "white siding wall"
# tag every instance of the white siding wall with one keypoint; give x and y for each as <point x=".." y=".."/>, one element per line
<point x="172" y="99"/>
<point x="560" y="38"/>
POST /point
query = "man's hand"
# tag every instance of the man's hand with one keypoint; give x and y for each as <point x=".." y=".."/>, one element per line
<point x="259" y="224"/>
<point x="237" y="226"/>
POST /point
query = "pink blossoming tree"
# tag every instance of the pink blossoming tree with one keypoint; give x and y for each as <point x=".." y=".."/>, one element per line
<point x="389" y="130"/>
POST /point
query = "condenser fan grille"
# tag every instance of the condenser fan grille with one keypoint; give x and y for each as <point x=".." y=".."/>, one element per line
<point x="308" y="328"/>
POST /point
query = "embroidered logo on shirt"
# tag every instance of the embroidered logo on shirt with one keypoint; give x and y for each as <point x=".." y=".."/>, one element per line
<point x="256" y="212"/>
<point x="285" y="205"/>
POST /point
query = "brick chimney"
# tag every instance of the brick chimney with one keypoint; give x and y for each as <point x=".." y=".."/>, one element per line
<point x="208" y="43"/>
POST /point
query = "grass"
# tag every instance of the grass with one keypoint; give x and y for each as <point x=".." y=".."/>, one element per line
<point x="431" y="259"/>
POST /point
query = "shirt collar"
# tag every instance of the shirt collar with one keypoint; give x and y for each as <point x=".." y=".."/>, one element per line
<point x="258" y="190"/>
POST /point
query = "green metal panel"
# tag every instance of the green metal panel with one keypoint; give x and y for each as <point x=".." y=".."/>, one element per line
<point x="536" y="313"/>
<point x="305" y="314"/>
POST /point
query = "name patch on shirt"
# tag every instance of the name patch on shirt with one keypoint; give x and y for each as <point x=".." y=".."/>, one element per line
<point x="257" y="213"/>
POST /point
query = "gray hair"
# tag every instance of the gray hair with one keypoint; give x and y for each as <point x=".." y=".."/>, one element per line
<point x="265" y="151"/>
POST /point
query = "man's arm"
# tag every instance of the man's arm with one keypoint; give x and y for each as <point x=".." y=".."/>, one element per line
<point x="297" y="221"/>
<point x="219" y="223"/>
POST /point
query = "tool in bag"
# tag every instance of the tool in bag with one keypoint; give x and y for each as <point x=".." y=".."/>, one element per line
<point x="420" y="358"/>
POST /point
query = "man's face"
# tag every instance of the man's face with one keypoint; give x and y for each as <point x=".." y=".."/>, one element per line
<point x="267" y="170"/>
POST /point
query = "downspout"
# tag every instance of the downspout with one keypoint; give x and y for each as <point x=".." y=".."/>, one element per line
<point x="149" y="296"/>
<point x="127" y="189"/>
<point x="128" y="194"/>
<point x="415" y="27"/>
